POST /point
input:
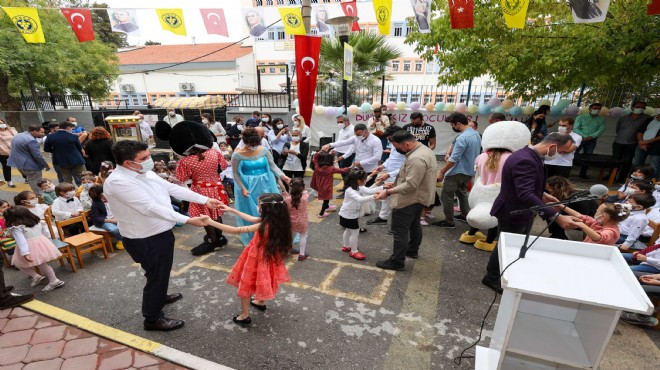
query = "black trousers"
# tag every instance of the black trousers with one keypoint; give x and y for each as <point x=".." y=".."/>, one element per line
<point x="155" y="254"/>
<point x="625" y="153"/>
<point x="407" y="231"/>
<point x="493" y="267"/>
<point x="563" y="171"/>
<point x="4" y="294"/>
<point x="6" y="170"/>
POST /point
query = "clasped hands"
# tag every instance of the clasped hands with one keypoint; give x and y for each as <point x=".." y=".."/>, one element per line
<point x="204" y="220"/>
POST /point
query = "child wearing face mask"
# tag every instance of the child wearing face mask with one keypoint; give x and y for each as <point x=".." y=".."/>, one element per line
<point x="29" y="200"/>
<point x="640" y="173"/>
<point x="106" y="169"/>
<point x="83" y="194"/>
<point x="47" y="191"/>
<point x="634" y="226"/>
<point x="66" y="205"/>
<point x="603" y="228"/>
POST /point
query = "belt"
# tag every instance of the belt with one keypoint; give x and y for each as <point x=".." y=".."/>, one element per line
<point x="206" y="184"/>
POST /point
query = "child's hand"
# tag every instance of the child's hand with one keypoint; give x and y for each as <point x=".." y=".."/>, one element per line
<point x="226" y="208"/>
<point x="624" y="247"/>
<point x="28" y="258"/>
<point x="245" y="192"/>
<point x="75" y="214"/>
<point x="640" y="257"/>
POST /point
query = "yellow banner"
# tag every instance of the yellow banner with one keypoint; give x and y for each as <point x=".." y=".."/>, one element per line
<point x="172" y="20"/>
<point x="292" y="20"/>
<point x="515" y="12"/>
<point x="383" y="10"/>
<point x="348" y="62"/>
<point x="27" y="22"/>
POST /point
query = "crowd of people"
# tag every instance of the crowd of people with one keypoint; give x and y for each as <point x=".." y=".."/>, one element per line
<point x="259" y="164"/>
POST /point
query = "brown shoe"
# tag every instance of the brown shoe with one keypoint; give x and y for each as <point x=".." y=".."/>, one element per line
<point x="163" y="324"/>
<point x="15" y="300"/>
<point x="171" y="298"/>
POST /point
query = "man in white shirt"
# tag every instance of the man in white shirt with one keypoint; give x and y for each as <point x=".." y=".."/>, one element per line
<point x="172" y="118"/>
<point x="140" y="202"/>
<point x="145" y="130"/>
<point x="367" y="148"/>
<point x="561" y="164"/>
<point x="346" y="131"/>
<point x="390" y="168"/>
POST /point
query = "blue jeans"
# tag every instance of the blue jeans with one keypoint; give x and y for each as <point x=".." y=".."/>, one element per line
<point x="113" y="230"/>
<point x="639" y="268"/>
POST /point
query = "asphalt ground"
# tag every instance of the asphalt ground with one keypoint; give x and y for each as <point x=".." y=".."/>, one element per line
<point x="336" y="313"/>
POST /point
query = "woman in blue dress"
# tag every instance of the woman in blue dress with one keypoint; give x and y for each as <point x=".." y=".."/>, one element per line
<point x="255" y="173"/>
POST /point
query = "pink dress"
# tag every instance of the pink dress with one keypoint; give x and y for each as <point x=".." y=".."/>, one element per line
<point x="608" y="234"/>
<point x="206" y="180"/>
<point x="255" y="275"/>
<point x="40" y="248"/>
<point x="299" y="216"/>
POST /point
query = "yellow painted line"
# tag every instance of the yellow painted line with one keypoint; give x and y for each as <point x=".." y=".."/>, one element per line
<point x="70" y="318"/>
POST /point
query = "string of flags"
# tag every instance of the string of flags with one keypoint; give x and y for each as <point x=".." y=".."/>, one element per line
<point x="461" y="14"/>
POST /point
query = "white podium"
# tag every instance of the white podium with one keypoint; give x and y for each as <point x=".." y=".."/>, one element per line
<point x="560" y="305"/>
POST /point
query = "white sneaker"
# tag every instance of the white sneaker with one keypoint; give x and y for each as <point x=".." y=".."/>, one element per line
<point x="54" y="285"/>
<point x="37" y="280"/>
<point x="423" y="222"/>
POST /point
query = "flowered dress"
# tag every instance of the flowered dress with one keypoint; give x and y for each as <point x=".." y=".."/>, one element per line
<point x="31" y="240"/>
<point x="299" y="216"/>
<point x="255" y="275"/>
<point x="205" y="180"/>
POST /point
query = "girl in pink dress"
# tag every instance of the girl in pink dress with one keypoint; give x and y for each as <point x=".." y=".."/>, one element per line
<point x="202" y="167"/>
<point x="603" y="228"/>
<point x="297" y="200"/>
<point x="34" y="248"/>
<point x="260" y="268"/>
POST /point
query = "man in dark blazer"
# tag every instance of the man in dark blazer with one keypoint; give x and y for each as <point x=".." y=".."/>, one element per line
<point x="523" y="186"/>
<point x="67" y="152"/>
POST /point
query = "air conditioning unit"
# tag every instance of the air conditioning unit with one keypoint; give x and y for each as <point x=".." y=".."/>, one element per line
<point x="127" y="88"/>
<point x="489" y="83"/>
<point x="187" y="86"/>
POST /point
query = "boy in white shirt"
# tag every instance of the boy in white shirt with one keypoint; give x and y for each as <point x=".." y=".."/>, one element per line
<point x="228" y="178"/>
<point x="633" y="226"/>
<point x="66" y="205"/>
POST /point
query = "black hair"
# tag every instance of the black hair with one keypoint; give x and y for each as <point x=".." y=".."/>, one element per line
<point x="20" y="197"/>
<point x="354" y="175"/>
<point x="457" y="118"/>
<point x="66" y="124"/>
<point x="638" y="102"/>
<point x="360" y="127"/>
<point x="127" y="150"/>
<point x="33" y="128"/>
<point x="402" y="136"/>
<point x="543" y="109"/>
<point x="95" y="192"/>
<point x="197" y="151"/>
<point x="646" y="169"/>
<point x="643" y="185"/>
<point x="275" y="227"/>
<point x="392" y="129"/>
<point x="3" y="202"/>
<point x="53" y="125"/>
<point x="595" y="104"/>
<point x="326" y="159"/>
<point x="251" y="137"/>
<point x="498" y="116"/>
<point x="416" y="115"/>
<point x="645" y="200"/>
<point x="19" y="215"/>
<point x="296" y="189"/>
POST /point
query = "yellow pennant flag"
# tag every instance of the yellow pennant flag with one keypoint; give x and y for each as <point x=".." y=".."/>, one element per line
<point x="292" y="20"/>
<point x="515" y="12"/>
<point x="172" y="20"/>
<point x="27" y="22"/>
<point x="383" y="10"/>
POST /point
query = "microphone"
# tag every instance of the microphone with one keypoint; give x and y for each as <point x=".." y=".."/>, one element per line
<point x="597" y="190"/>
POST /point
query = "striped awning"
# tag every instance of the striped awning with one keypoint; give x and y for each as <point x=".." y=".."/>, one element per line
<point x="202" y="102"/>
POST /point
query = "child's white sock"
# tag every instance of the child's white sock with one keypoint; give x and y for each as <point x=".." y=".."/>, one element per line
<point x="48" y="271"/>
<point x="303" y="243"/>
<point x="354" y="240"/>
<point x="347" y="238"/>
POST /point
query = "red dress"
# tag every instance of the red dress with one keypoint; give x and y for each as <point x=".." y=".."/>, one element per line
<point x="255" y="275"/>
<point x="206" y="180"/>
<point x="322" y="178"/>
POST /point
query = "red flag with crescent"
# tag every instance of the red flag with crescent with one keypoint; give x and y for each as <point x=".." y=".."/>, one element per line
<point x="461" y="13"/>
<point x="308" y="49"/>
<point x="654" y="8"/>
<point x="350" y="9"/>
<point x="214" y="21"/>
<point x="81" y="23"/>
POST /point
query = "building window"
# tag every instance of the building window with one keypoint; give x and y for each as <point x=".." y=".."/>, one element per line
<point x="451" y="98"/>
<point x="395" y="66"/>
<point x="398" y="30"/>
<point x="373" y="29"/>
<point x="418" y="65"/>
<point x="154" y="97"/>
<point x="406" y="66"/>
<point x="163" y="96"/>
<point x="280" y="2"/>
<point x="269" y="2"/>
<point x="475" y="99"/>
<point x="258" y="3"/>
<point x="144" y="100"/>
<point x="314" y="31"/>
<point x="463" y="98"/>
<point x="271" y="34"/>
<point x="392" y="97"/>
<point x="439" y="98"/>
<point x="414" y="97"/>
<point x="282" y="69"/>
<point x="280" y="34"/>
<point x="408" y="30"/>
<point x="261" y="68"/>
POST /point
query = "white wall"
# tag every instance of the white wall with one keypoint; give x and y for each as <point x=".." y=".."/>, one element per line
<point x="205" y="80"/>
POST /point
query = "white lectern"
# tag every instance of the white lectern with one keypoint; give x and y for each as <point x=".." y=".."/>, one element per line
<point x="560" y="304"/>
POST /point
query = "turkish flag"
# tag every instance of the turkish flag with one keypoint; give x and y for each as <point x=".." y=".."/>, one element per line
<point x="654" y="8"/>
<point x="350" y="9"/>
<point x="461" y="13"/>
<point x="214" y="21"/>
<point x="81" y="22"/>
<point x="308" y="49"/>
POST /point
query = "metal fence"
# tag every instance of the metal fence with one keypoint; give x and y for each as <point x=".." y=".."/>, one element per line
<point x="49" y="101"/>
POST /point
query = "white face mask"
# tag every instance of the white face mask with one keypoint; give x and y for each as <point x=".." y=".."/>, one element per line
<point x="629" y="191"/>
<point x="87" y="186"/>
<point x="280" y="126"/>
<point x="147" y="165"/>
<point x="341" y="126"/>
<point x="240" y="127"/>
<point x="51" y="188"/>
<point x="638" y="110"/>
<point x="562" y="129"/>
<point x="205" y="121"/>
<point x="634" y="177"/>
<point x="74" y="124"/>
<point x="33" y="202"/>
<point x="162" y="174"/>
<point x="3" y="126"/>
<point x="295" y="139"/>
<point x="594" y="112"/>
<point x="70" y="194"/>
<point x="549" y="157"/>
<point x="265" y="119"/>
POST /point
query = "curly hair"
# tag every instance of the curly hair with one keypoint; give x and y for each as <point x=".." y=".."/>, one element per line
<point x="275" y="227"/>
<point x="251" y="137"/>
<point x="297" y="188"/>
<point x="99" y="133"/>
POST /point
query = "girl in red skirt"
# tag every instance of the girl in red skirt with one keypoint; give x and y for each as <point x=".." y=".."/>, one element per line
<point x="322" y="179"/>
<point x="202" y="167"/>
<point x="260" y="268"/>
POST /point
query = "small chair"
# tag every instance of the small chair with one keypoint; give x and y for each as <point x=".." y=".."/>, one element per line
<point x="85" y="242"/>
<point x="7" y="244"/>
<point x="62" y="246"/>
<point x="101" y="231"/>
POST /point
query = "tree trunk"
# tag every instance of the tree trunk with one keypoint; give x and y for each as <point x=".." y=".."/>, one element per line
<point x="307" y="15"/>
<point x="10" y="105"/>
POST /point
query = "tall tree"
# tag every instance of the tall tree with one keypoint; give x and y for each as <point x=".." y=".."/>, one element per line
<point x="371" y="54"/>
<point x="61" y="64"/>
<point x="552" y="53"/>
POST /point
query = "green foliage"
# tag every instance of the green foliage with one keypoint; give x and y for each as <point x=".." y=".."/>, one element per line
<point x="551" y="54"/>
<point x="62" y="64"/>
<point x="371" y="53"/>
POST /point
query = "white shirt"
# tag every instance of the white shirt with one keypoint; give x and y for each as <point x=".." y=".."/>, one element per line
<point x="633" y="226"/>
<point x="264" y="143"/>
<point x="344" y="134"/>
<point x="173" y="120"/>
<point x="367" y="151"/>
<point x="292" y="162"/>
<point x="656" y="195"/>
<point x="145" y="131"/>
<point x="219" y="131"/>
<point x="227" y="172"/>
<point x="62" y="209"/>
<point x="39" y="210"/>
<point x="353" y="200"/>
<point x="141" y="202"/>
<point x="566" y="159"/>
<point x="651" y="130"/>
<point x="393" y="164"/>
<point x="653" y="215"/>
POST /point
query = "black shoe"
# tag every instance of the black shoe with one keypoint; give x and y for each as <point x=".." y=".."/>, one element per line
<point x="363" y="230"/>
<point x="222" y="241"/>
<point x="460" y="218"/>
<point x="245" y="322"/>
<point x="376" y="221"/>
<point x="444" y="224"/>
<point x="9" y="288"/>
<point x="260" y="307"/>
<point x="203" y="249"/>
<point x="163" y="324"/>
<point x="15" y="300"/>
<point x="413" y="255"/>
<point x="496" y="286"/>
<point x="389" y="265"/>
<point x="171" y="298"/>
